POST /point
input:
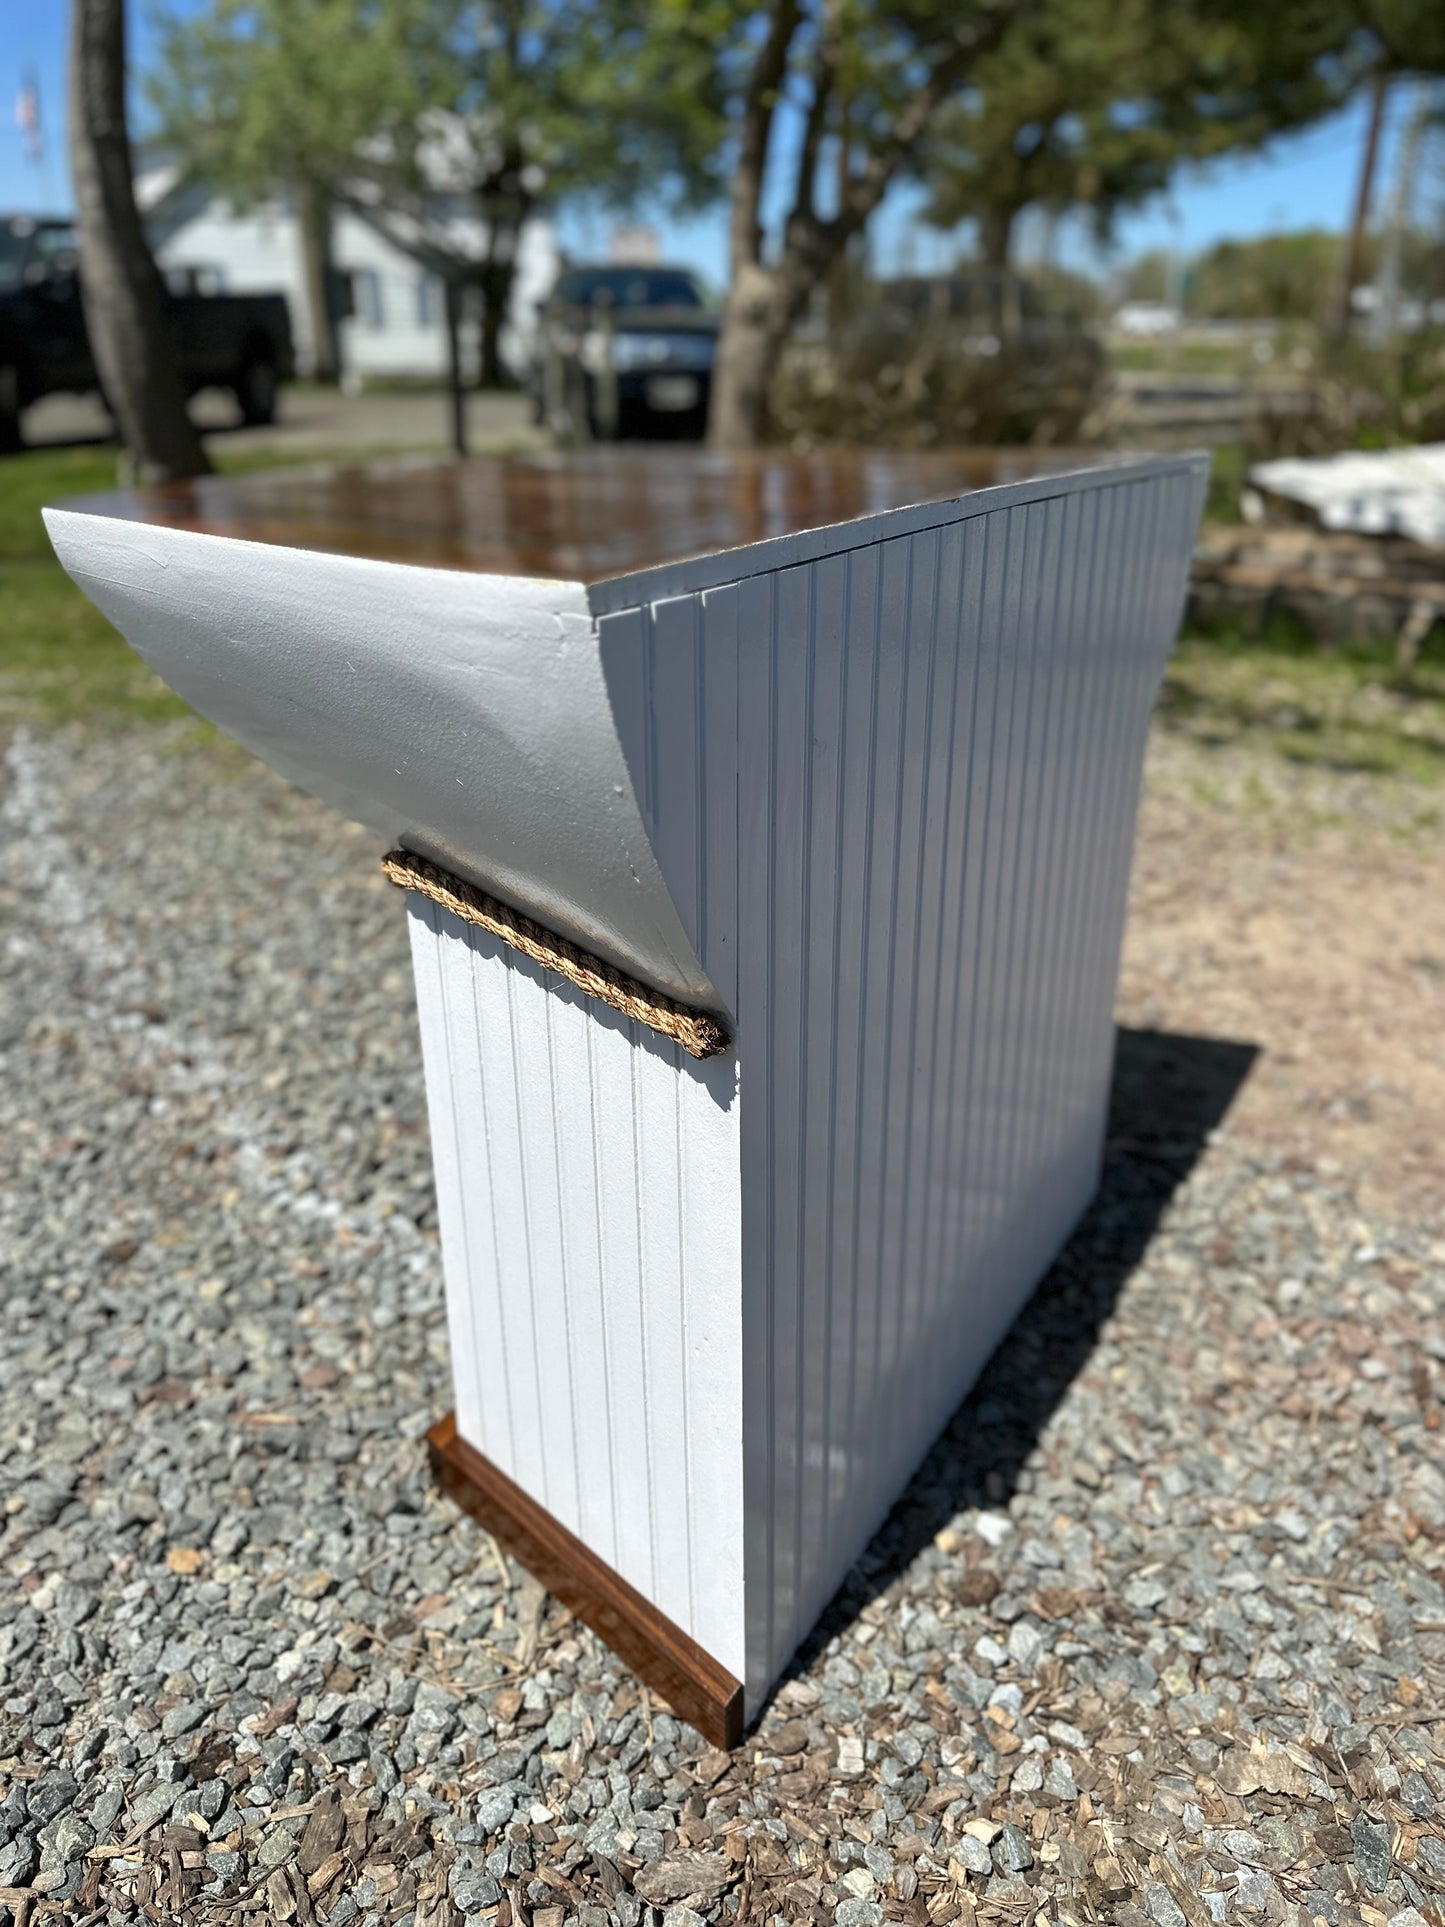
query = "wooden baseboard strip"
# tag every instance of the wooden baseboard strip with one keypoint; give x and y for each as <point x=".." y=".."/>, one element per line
<point x="660" y="1653"/>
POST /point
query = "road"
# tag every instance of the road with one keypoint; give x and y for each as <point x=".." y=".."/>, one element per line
<point x="310" y="419"/>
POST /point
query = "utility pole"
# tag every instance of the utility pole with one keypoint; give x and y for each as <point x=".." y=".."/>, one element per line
<point x="1355" y="249"/>
<point x="1385" y="319"/>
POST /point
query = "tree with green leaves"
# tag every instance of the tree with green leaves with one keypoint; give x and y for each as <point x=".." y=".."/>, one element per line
<point x="532" y="102"/>
<point x="267" y="97"/>
<point x="1082" y="107"/>
<point x="862" y="78"/>
<point x="1276" y="277"/>
<point x="999" y="104"/>
<point x="445" y="123"/>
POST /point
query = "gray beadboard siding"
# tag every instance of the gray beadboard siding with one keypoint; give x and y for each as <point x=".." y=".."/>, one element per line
<point x="892" y="791"/>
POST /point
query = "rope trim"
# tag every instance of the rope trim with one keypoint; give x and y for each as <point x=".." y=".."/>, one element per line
<point x="699" y="1033"/>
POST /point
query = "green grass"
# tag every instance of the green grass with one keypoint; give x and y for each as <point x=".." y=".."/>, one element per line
<point x="38" y="478"/>
<point x="60" y="660"/>
<point x="59" y="657"/>
<point x="1280" y="695"/>
<point x="1228" y="472"/>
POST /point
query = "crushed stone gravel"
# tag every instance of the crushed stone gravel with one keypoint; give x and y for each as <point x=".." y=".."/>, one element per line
<point x="1157" y="1634"/>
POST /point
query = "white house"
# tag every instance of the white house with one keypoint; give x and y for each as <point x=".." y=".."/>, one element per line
<point x="397" y="323"/>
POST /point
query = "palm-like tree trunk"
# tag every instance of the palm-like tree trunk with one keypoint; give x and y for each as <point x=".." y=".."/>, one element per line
<point x="125" y="314"/>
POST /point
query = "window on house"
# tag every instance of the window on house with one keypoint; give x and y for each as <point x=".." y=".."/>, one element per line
<point x="428" y="300"/>
<point x="367" y="301"/>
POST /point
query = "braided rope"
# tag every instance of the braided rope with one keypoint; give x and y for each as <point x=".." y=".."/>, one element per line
<point x="699" y="1033"/>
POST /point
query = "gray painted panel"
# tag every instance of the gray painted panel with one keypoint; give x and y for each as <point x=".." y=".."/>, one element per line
<point x="720" y="566"/>
<point x="463" y="715"/>
<point x="916" y="909"/>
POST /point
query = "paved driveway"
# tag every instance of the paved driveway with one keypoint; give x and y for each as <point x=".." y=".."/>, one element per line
<point x="310" y="418"/>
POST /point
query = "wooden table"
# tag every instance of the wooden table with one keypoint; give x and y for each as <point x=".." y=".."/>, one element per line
<point x="766" y="825"/>
<point x="580" y="516"/>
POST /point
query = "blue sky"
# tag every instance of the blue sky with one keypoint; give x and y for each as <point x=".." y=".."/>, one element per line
<point x="1305" y="181"/>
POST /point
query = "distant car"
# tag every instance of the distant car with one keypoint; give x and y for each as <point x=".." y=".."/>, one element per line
<point x="624" y="351"/>
<point x="236" y="341"/>
<point x="1146" y="318"/>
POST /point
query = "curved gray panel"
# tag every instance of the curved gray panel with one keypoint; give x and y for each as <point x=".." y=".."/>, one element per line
<point x="462" y="715"/>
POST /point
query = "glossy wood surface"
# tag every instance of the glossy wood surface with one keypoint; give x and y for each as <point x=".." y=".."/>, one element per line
<point x="580" y="516"/>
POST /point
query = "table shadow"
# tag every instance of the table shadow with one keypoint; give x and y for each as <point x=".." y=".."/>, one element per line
<point x="1169" y="1092"/>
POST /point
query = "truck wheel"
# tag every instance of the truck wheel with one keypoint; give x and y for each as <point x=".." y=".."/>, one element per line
<point x="255" y="389"/>
<point x="11" y="440"/>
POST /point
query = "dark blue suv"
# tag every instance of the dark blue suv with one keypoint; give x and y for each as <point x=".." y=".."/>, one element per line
<point x="624" y="350"/>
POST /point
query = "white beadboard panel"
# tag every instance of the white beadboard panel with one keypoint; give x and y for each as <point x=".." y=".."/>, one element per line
<point x="588" y="1195"/>
<point x="892" y="791"/>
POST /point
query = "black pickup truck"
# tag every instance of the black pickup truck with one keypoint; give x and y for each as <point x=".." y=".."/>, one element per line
<point x="236" y="341"/>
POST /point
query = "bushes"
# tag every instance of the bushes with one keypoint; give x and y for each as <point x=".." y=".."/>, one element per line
<point x="1362" y="397"/>
<point x="934" y="384"/>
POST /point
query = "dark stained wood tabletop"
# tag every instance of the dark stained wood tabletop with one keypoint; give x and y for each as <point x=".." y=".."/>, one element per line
<point x="583" y="515"/>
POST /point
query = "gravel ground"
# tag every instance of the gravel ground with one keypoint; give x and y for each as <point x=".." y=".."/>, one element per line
<point x="1157" y="1635"/>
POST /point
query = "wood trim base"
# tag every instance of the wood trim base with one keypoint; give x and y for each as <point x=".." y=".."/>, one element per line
<point x="660" y="1653"/>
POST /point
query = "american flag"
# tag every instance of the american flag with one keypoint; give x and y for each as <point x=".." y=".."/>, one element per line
<point x="27" y="118"/>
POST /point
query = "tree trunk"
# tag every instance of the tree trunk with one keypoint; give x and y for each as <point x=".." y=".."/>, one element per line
<point x="455" y="392"/>
<point x="995" y="235"/>
<point x="125" y="312"/>
<point x="314" y="217"/>
<point x="750" y="329"/>
<point x="496" y="283"/>
<point x="505" y="202"/>
<point x="765" y="300"/>
<point x="755" y="324"/>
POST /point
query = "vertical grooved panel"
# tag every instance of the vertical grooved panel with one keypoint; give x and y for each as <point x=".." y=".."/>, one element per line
<point x="718" y="776"/>
<point x="756" y="644"/>
<point x="588" y="1195"/>
<point x="934" y="974"/>
<point x="824" y="859"/>
<point x="892" y="792"/>
<point x="857" y="727"/>
<point x="676" y="765"/>
<point x="881" y="782"/>
<point x="921" y="630"/>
